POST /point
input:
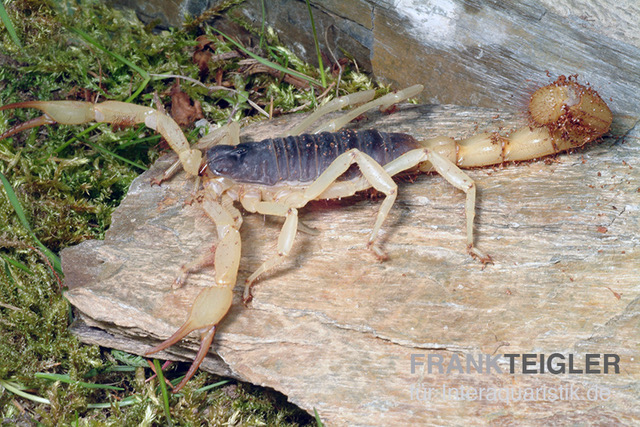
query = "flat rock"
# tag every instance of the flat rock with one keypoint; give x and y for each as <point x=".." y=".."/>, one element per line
<point x="337" y="331"/>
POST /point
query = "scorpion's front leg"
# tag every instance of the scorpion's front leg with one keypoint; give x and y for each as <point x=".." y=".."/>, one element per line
<point x="115" y="112"/>
<point x="212" y="304"/>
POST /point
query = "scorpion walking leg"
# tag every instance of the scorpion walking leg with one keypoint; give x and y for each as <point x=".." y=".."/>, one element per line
<point x="285" y="239"/>
<point x="383" y="102"/>
<point x="454" y="175"/>
<point x="329" y="107"/>
<point x="372" y="171"/>
<point x="206" y="259"/>
<point x="213" y="303"/>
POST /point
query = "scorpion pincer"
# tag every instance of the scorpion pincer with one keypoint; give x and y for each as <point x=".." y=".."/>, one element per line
<point x="281" y="175"/>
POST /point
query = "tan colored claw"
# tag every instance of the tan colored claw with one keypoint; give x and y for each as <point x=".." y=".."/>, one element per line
<point x="209" y="308"/>
<point x="114" y="112"/>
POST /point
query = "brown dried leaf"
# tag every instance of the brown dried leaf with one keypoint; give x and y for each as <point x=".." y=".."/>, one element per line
<point x="183" y="110"/>
<point x="204" y="55"/>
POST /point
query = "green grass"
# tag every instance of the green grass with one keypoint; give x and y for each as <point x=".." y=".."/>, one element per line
<point x="60" y="185"/>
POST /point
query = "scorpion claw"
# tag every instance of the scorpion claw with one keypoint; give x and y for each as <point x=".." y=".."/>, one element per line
<point x="205" y="342"/>
<point x="38" y="121"/>
<point x="210" y="306"/>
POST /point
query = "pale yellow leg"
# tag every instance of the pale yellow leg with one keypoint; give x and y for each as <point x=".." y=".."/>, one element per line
<point x="374" y="174"/>
<point x="285" y="239"/>
<point x="383" y="102"/>
<point x="329" y="107"/>
<point x="207" y="258"/>
<point x="454" y="175"/>
<point x="410" y="160"/>
<point x="213" y="303"/>
<point x="224" y="135"/>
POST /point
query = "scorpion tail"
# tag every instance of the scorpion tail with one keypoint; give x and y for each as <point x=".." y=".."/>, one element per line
<point x="209" y="308"/>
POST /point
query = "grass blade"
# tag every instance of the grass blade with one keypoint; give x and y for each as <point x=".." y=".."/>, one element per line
<point x="13" y="199"/>
<point x="119" y="57"/>
<point x="323" y="76"/>
<point x="4" y="17"/>
<point x="317" y="417"/>
<point x="15" y="389"/>
<point x="66" y="379"/>
<point x="111" y="153"/>
<point x="163" y="389"/>
<point x="210" y="386"/>
<point x="130" y="400"/>
<point x="15" y="263"/>
<point x="268" y="63"/>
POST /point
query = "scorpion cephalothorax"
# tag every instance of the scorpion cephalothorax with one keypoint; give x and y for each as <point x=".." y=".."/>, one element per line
<point x="279" y="176"/>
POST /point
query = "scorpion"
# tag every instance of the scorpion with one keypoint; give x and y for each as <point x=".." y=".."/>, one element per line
<point x="279" y="176"/>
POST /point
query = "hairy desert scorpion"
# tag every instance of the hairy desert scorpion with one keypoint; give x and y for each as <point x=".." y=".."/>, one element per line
<point x="281" y="175"/>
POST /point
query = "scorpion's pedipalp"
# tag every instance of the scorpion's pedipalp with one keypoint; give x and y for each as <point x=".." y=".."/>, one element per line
<point x="63" y="112"/>
<point x="209" y="308"/>
<point x="205" y="343"/>
<point x="38" y="121"/>
<point x="115" y="112"/>
<point x="212" y="303"/>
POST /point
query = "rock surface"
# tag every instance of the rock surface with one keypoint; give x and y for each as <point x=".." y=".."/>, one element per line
<point x="334" y="330"/>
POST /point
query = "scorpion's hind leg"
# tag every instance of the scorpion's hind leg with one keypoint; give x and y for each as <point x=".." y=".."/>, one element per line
<point x="454" y="175"/>
<point x="373" y="173"/>
<point x="212" y="303"/>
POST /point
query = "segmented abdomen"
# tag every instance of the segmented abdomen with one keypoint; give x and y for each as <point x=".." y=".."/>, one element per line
<point x="301" y="159"/>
